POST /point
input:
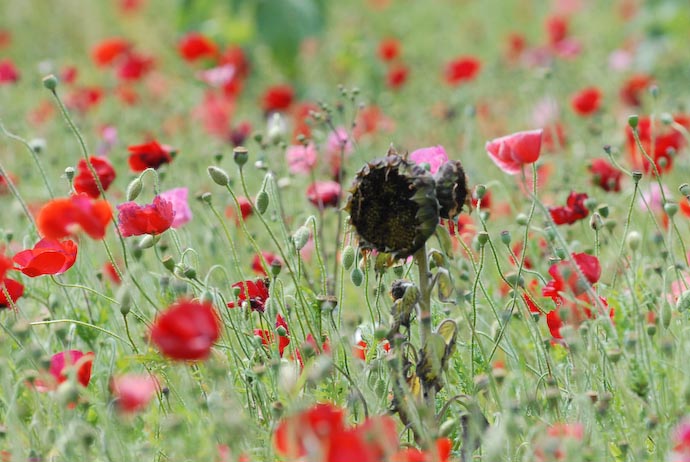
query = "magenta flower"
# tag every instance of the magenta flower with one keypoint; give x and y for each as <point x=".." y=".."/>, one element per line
<point x="435" y="156"/>
<point x="178" y="198"/>
<point x="336" y="140"/>
<point x="301" y="159"/>
<point x="511" y="152"/>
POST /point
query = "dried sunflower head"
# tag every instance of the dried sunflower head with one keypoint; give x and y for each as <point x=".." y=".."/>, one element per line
<point x="393" y="206"/>
<point x="451" y="188"/>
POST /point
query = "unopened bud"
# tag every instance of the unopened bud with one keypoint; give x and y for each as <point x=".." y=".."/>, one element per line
<point x="169" y="263"/>
<point x="590" y="203"/>
<point x="301" y="237"/>
<point x="683" y="303"/>
<point x="595" y="222"/>
<point x="357" y="277"/>
<point x="348" y="257"/>
<point x="262" y="202"/>
<point x="521" y="219"/>
<point x="480" y="191"/>
<point x="633" y="240"/>
<point x="218" y="175"/>
<point x="275" y="267"/>
<point x="206" y="197"/>
<point x="134" y="189"/>
<point x="684" y="189"/>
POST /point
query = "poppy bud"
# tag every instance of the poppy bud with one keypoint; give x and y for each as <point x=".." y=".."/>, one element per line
<point x="124" y="296"/>
<point x="50" y="82"/>
<point x="521" y="219"/>
<point x="206" y="197"/>
<point x="671" y="208"/>
<point x="348" y="257"/>
<point x="218" y="175"/>
<point x="595" y="222"/>
<point x="684" y="189"/>
<point x="683" y="303"/>
<point x="276" y="267"/>
<point x="301" y="237"/>
<point x="633" y="240"/>
<point x="357" y="277"/>
<point x="134" y="189"/>
<point x="262" y="202"/>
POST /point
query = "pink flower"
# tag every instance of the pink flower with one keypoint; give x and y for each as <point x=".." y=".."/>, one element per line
<point x="133" y="392"/>
<point x="681" y="442"/>
<point x="178" y="198"/>
<point x="511" y="152"/>
<point x="324" y="193"/>
<point x="435" y="156"/>
<point x="337" y="140"/>
<point x="301" y="159"/>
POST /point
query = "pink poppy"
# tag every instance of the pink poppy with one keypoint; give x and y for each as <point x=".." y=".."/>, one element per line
<point x="435" y="156"/>
<point x="511" y="152"/>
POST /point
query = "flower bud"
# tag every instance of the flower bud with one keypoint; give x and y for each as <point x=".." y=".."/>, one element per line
<point x="633" y="240"/>
<point x="357" y="277"/>
<point x="595" y="222"/>
<point x="218" y="175"/>
<point x="50" y="82"/>
<point x="348" y="257"/>
<point x="240" y="155"/>
<point x="301" y="237"/>
<point x="480" y="191"/>
<point x="591" y="204"/>
<point x="206" y="197"/>
<point x="134" y="189"/>
<point x="684" y="189"/>
<point x="633" y="120"/>
<point x="262" y="202"/>
<point x="124" y="296"/>
<point x="521" y="219"/>
<point x="275" y="267"/>
<point x="683" y="303"/>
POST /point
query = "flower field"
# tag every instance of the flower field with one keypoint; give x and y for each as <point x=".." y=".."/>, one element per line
<point x="358" y="231"/>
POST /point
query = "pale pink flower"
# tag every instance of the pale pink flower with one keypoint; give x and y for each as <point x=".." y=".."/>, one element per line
<point x="620" y="60"/>
<point x="335" y="142"/>
<point x="180" y="204"/>
<point x="301" y="159"/>
<point x="435" y="156"/>
<point x="133" y="392"/>
<point x="218" y="76"/>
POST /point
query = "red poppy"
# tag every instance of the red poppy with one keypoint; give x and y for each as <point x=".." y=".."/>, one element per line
<point x="665" y="141"/>
<point x="236" y="57"/>
<point x="133" y="392"/>
<point x="109" y="50"/>
<point x="83" y="98"/>
<point x="84" y="181"/>
<point x="371" y="120"/>
<point x="246" y="209"/>
<point x="149" y="155"/>
<point x="269" y="337"/>
<point x="566" y="278"/>
<point x="572" y="313"/>
<point x="324" y="193"/>
<point x="61" y="362"/>
<point x="195" y="46"/>
<point x="186" y="330"/>
<point x="605" y="175"/>
<point x="516" y="46"/>
<point x="277" y="98"/>
<point x="587" y="101"/>
<point x="14" y="288"/>
<point x="134" y="66"/>
<point x="258" y="266"/>
<point x="8" y="72"/>
<point x="513" y="151"/>
<point x="155" y="218"/>
<point x="557" y="29"/>
<point x="254" y="292"/>
<point x="463" y="69"/>
<point x="443" y="447"/>
<point x="634" y="88"/>
<point x="318" y="423"/>
<point x="111" y="273"/>
<point x="63" y="217"/>
<point x="573" y="211"/>
<point x="48" y="256"/>
<point x="389" y="49"/>
<point x="397" y="76"/>
<point x="359" y="350"/>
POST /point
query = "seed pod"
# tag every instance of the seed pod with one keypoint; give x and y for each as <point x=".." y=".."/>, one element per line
<point x="393" y="206"/>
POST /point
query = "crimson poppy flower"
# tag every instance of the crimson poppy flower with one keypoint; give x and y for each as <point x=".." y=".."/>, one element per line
<point x="511" y="152"/>
<point x="566" y="278"/>
<point x="324" y="193"/>
<point x="573" y="211"/>
<point x="463" y="69"/>
<point x="84" y="181"/>
<point x="397" y="76"/>
<point x="246" y="209"/>
<point x="572" y="313"/>
<point x="154" y="218"/>
<point x="5" y="266"/>
<point x="587" y="101"/>
<point x="109" y="50"/>
<point x="269" y="257"/>
<point x="186" y="330"/>
<point x="111" y="273"/>
<point x="557" y="29"/>
<point x="443" y="447"/>
<point x="134" y="66"/>
<point x="268" y="337"/>
<point x="277" y="98"/>
<point x="14" y="288"/>
<point x="634" y="88"/>
<point x="133" y="392"/>
<point x="195" y="46"/>
<point x="63" y="217"/>
<point x="317" y="423"/>
<point x="61" y="362"/>
<point x="149" y="155"/>
<point x="8" y="72"/>
<point x="254" y="292"/>
<point x="605" y="175"/>
<point x="665" y="141"/>
<point x="48" y="256"/>
<point x="389" y="49"/>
